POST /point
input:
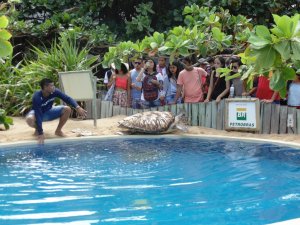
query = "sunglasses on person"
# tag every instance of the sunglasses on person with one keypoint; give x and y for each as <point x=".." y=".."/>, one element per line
<point x="235" y="67"/>
<point x="138" y="63"/>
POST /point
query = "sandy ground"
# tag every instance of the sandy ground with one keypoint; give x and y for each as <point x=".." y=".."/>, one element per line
<point x="109" y="126"/>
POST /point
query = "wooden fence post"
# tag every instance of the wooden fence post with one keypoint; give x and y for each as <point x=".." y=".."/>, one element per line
<point x="202" y="114"/>
<point x="298" y="121"/>
<point x="220" y="115"/>
<point x="266" y="118"/>
<point x="89" y="109"/>
<point x="292" y="125"/>
<point x="283" y="120"/>
<point x="195" y="114"/>
<point x="129" y="111"/>
<point x="123" y="111"/>
<point x="275" y="118"/>
<point x="208" y="107"/>
<point x="214" y="114"/>
<point x="116" y="110"/>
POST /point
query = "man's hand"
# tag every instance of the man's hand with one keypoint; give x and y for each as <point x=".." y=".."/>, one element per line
<point x="41" y="139"/>
<point x="81" y="112"/>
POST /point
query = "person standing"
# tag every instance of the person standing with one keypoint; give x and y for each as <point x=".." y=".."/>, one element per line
<point x="190" y="81"/>
<point x="152" y="84"/>
<point x="294" y="92"/>
<point x="171" y="82"/>
<point x="122" y="81"/>
<point x="108" y="74"/>
<point x="218" y="86"/>
<point x="264" y="92"/>
<point x="162" y="69"/>
<point x="136" y="87"/>
<point x="43" y="109"/>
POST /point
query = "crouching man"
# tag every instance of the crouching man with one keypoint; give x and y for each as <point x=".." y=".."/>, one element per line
<point x="43" y="109"/>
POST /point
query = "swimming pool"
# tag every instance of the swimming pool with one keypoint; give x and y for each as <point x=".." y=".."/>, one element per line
<point x="170" y="180"/>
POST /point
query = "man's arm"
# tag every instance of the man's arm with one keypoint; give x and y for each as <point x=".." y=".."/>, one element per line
<point x="178" y="93"/>
<point x="37" y="107"/>
<point x="67" y="99"/>
<point x="274" y="96"/>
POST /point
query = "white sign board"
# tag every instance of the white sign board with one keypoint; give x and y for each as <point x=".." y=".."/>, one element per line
<point x="242" y="114"/>
<point x="81" y="86"/>
<point x="77" y="84"/>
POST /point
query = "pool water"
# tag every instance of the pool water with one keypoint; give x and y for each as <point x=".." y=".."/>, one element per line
<point x="149" y="181"/>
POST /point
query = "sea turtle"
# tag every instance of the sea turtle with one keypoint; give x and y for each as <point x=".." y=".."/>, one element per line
<point x="154" y="122"/>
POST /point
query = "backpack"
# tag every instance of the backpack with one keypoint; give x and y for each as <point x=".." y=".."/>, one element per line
<point x="150" y="90"/>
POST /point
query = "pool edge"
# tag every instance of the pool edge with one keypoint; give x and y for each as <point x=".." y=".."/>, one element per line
<point x="59" y="140"/>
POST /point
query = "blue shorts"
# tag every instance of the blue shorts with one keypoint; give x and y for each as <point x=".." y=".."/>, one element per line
<point x="54" y="113"/>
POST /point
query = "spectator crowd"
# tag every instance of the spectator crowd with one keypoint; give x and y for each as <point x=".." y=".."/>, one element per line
<point x="160" y="82"/>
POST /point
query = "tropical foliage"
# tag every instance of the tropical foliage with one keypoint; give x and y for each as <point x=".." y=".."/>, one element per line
<point x="207" y="32"/>
<point x="61" y="34"/>
<point x="19" y="83"/>
<point x="5" y="120"/>
<point x="273" y="52"/>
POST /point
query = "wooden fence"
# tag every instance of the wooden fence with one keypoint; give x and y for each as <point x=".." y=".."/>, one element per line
<point x="275" y="119"/>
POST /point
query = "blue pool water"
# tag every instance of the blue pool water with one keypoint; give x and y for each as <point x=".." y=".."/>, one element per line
<point x="151" y="181"/>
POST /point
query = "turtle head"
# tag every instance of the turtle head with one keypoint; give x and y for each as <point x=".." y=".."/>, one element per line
<point x="181" y="121"/>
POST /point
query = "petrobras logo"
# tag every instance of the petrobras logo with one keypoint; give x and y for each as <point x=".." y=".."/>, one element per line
<point x="241" y="114"/>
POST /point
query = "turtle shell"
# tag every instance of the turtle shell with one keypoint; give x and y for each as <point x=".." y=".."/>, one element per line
<point x="148" y="122"/>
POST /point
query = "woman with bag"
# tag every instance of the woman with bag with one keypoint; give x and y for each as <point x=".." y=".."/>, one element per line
<point x="152" y="84"/>
<point x="121" y="82"/>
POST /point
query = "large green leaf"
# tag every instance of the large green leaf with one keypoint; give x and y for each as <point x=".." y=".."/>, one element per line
<point x="284" y="49"/>
<point x="296" y="50"/>
<point x="3" y="22"/>
<point x="217" y="34"/>
<point x="284" y="25"/>
<point x="5" y="35"/>
<point x="288" y="73"/>
<point x="265" y="57"/>
<point x="258" y="42"/>
<point x="277" y="82"/>
<point x="263" y="32"/>
<point x="283" y="92"/>
<point x="183" y="51"/>
<point x="5" y="48"/>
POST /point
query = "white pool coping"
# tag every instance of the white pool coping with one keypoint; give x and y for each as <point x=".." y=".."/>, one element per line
<point x="288" y="222"/>
<point x="201" y="136"/>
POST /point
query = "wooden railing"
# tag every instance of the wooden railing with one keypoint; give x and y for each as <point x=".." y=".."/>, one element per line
<point x="274" y="118"/>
